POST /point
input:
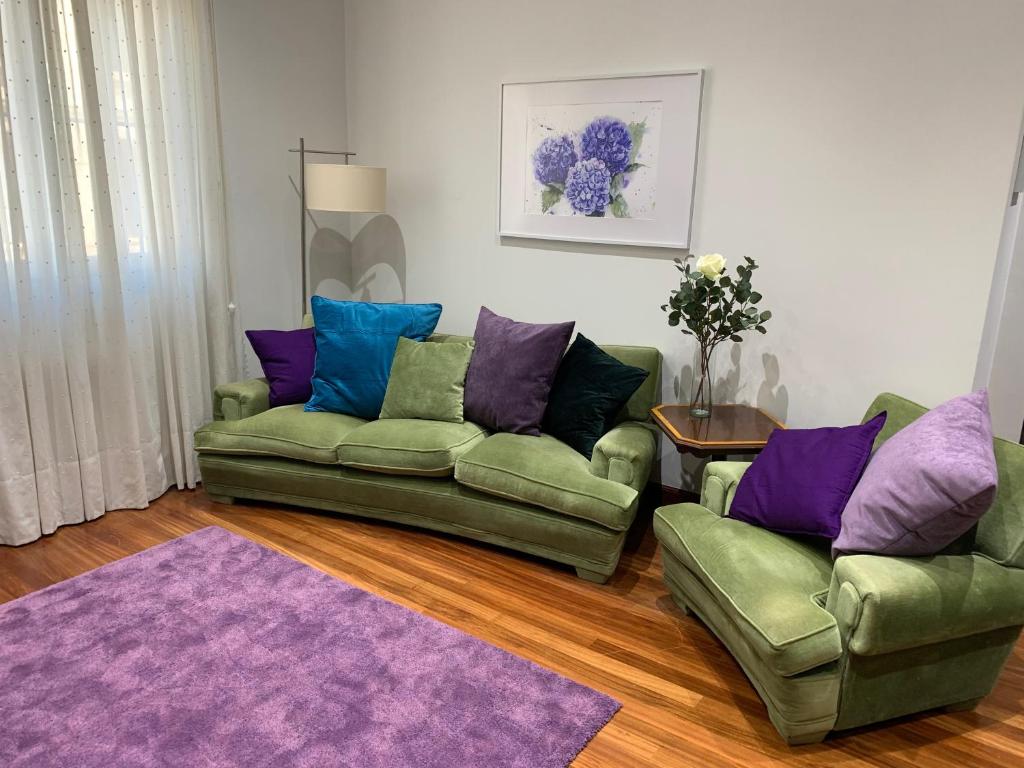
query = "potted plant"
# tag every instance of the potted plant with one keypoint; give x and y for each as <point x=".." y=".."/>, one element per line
<point x="713" y="306"/>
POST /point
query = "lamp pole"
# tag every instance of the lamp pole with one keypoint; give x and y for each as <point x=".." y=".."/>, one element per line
<point x="302" y="209"/>
<point x="302" y="223"/>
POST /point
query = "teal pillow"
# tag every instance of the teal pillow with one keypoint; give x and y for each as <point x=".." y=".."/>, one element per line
<point x="589" y="390"/>
<point x="355" y="345"/>
<point x="427" y="381"/>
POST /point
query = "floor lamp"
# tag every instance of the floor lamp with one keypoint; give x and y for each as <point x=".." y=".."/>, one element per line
<point x="335" y="187"/>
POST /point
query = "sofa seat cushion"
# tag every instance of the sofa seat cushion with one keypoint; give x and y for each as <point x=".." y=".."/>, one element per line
<point x="288" y="432"/>
<point x="409" y="446"/>
<point x="770" y="585"/>
<point x="548" y="473"/>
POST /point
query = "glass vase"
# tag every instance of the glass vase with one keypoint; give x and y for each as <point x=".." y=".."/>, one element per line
<point x="700" y="387"/>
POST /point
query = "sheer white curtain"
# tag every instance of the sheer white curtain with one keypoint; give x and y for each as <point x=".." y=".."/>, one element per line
<point x="114" y="290"/>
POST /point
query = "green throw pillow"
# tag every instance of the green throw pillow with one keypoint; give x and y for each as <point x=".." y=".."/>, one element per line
<point x="427" y="380"/>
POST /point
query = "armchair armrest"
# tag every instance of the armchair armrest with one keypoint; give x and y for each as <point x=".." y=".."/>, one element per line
<point x="240" y="399"/>
<point x="624" y="454"/>
<point x="886" y="604"/>
<point x="719" y="484"/>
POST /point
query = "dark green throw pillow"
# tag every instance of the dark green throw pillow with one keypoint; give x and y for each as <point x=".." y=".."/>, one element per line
<point x="589" y="390"/>
<point x="427" y="380"/>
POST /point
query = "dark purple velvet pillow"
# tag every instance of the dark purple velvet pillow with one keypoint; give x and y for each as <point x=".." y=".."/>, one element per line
<point x="287" y="358"/>
<point x="511" y="372"/>
<point x="801" y="481"/>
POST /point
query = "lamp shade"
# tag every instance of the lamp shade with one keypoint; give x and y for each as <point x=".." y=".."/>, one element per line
<point x="349" y="188"/>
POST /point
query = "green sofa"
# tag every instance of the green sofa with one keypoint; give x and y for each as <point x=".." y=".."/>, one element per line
<point x="831" y="646"/>
<point x="532" y="494"/>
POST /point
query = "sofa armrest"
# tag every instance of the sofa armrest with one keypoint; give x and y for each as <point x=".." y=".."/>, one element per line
<point x="624" y="454"/>
<point x="240" y="399"/>
<point x="886" y="604"/>
<point x="719" y="484"/>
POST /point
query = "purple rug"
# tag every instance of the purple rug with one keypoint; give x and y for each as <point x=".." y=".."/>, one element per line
<point x="211" y="650"/>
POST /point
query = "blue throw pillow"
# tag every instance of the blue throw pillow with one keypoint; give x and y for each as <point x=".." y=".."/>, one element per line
<point x="355" y="345"/>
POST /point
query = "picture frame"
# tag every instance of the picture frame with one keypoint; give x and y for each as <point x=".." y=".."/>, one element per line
<point x="602" y="159"/>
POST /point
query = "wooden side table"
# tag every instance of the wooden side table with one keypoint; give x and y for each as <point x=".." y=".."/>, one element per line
<point x="730" y="429"/>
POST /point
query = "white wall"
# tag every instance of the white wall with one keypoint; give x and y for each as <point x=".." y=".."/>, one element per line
<point x="861" y="152"/>
<point x="1001" y="360"/>
<point x="281" y="73"/>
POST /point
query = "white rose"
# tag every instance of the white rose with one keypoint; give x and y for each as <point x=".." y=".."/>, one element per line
<point x="711" y="265"/>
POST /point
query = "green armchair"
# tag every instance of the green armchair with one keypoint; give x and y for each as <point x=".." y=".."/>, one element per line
<point x="831" y="646"/>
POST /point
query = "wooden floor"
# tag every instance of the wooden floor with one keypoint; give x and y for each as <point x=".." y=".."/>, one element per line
<point x="685" y="701"/>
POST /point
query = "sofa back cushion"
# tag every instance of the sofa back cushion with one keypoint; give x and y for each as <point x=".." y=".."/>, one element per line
<point x="1000" y="534"/>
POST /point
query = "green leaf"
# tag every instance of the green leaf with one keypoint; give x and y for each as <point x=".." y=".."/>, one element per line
<point x="755" y="297"/>
<point x="766" y="316"/>
<point x="736" y="337"/>
<point x="725" y="281"/>
<point x="636" y="133"/>
<point x="634" y="166"/>
<point x="760" y="329"/>
<point x="549" y="197"/>
<point x="619" y="208"/>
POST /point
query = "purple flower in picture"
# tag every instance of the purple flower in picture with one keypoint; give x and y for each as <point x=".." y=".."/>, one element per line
<point x="553" y="158"/>
<point x="588" y="187"/>
<point x="607" y="139"/>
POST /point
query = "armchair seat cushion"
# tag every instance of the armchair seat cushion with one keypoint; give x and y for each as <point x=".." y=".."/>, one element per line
<point x="771" y="586"/>
<point x="288" y="432"/>
<point x="546" y="472"/>
<point x="409" y="446"/>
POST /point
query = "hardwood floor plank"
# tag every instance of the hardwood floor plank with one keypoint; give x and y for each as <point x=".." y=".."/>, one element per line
<point x="685" y="700"/>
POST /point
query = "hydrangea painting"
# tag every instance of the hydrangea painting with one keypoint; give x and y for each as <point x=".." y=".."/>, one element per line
<point x="600" y="159"/>
<point x="593" y="159"/>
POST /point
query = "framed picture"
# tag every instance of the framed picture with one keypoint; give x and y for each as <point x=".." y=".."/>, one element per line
<point x="600" y="160"/>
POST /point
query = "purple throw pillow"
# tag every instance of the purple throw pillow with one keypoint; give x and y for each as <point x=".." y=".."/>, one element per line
<point x="927" y="485"/>
<point x="511" y="372"/>
<point x="287" y="358"/>
<point x="803" y="478"/>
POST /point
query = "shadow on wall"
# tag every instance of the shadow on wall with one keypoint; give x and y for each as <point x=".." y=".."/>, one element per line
<point x="601" y="249"/>
<point x="772" y="398"/>
<point x="370" y="267"/>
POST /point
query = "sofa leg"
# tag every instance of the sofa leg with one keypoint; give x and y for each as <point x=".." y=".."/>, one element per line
<point x="594" y="576"/>
<point x="814" y="737"/>
<point x="220" y="499"/>
<point x="962" y="706"/>
<point x="682" y="606"/>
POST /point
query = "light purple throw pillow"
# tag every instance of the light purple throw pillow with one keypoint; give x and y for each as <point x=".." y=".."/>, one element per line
<point x="926" y="486"/>
<point x="511" y="372"/>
